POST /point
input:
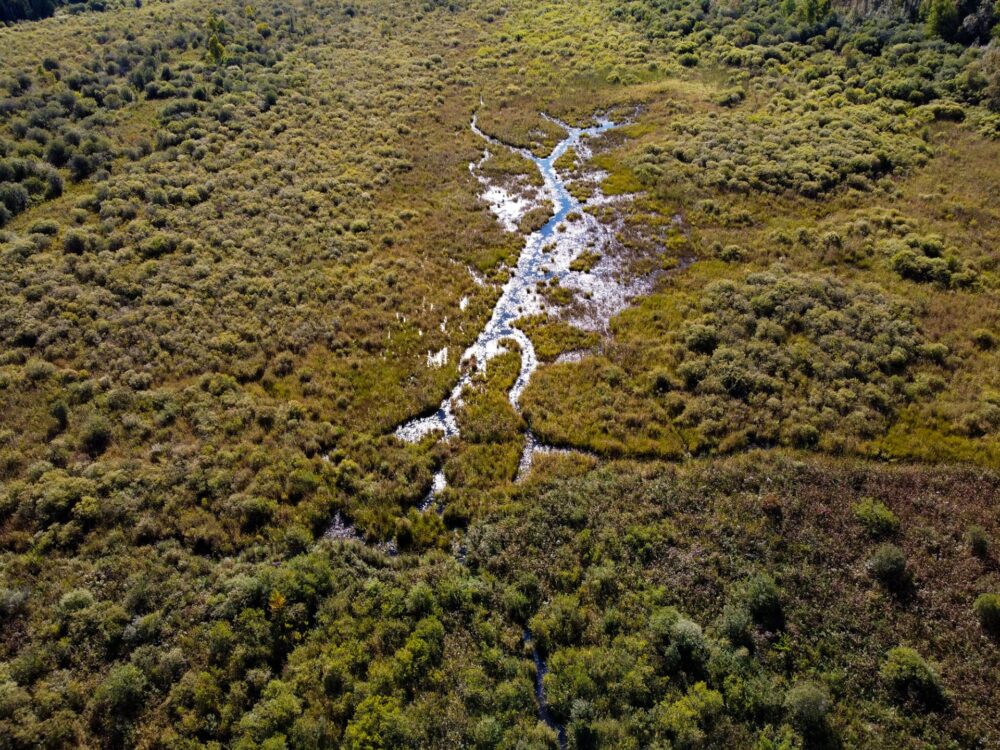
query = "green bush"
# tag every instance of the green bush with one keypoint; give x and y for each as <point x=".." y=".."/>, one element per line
<point x="987" y="609"/>
<point x="96" y="435"/>
<point x="876" y="517"/>
<point x="121" y="693"/>
<point x="736" y="625"/>
<point x="764" y="602"/>
<point x="978" y="540"/>
<point x="911" y="678"/>
<point x="687" y="719"/>
<point x="888" y="566"/>
<point x="807" y="705"/>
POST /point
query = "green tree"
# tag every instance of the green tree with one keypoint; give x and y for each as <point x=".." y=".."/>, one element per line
<point x="216" y="50"/>
<point x="377" y="725"/>
<point x="942" y="18"/>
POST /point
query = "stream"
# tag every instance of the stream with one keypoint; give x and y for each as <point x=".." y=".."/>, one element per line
<point x="543" y="704"/>
<point x="519" y="298"/>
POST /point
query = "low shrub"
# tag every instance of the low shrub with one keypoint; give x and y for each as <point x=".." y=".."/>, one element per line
<point x="876" y="517"/>
<point x="987" y="609"/>
<point x="888" y="566"/>
<point x="807" y="705"/>
<point x="764" y="602"/>
<point x="911" y="678"/>
<point x="978" y="540"/>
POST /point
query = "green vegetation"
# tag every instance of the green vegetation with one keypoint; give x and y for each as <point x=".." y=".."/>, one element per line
<point x="906" y="672"/>
<point x="241" y="243"/>
<point x="987" y="608"/>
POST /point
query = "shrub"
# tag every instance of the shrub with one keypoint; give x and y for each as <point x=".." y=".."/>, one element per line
<point x="979" y="541"/>
<point x="987" y="609"/>
<point x="911" y="678"/>
<point x="764" y="602"/>
<point x="888" y="565"/>
<point x="984" y="338"/>
<point x="121" y="693"/>
<point x="807" y="705"/>
<point x="876" y="517"/>
<point x="12" y="603"/>
<point x="736" y="625"/>
<point x="687" y="636"/>
<point x="75" y="600"/>
<point x="96" y="435"/>
<point x="686" y="719"/>
<point x="37" y="370"/>
<point x="76" y="242"/>
<point x="14" y="197"/>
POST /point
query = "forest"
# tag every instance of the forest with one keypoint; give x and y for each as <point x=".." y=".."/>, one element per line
<point x="521" y="374"/>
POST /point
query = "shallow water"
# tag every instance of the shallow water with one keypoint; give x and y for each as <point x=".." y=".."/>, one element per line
<point x="543" y="705"/>
<point x="519" y="296"/>
<point x="518" y="299"/>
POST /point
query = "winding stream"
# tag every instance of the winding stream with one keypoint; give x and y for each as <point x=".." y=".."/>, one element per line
<point x="519" y="298"/>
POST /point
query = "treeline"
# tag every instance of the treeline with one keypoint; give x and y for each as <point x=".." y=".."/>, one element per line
<point x="12" y="11"/>
<point x="20" y="10"/>
<point x="967" y="21"/>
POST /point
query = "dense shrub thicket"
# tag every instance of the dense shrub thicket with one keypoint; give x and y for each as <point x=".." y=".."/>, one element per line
<point x="776" y="358"/>
<point x="792" y="359"/>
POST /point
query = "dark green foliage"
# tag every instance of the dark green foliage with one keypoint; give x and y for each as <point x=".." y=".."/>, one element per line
<point x="807" y="705"/>
<point x="978" y="541"/>
<point x="764" y="602"/>
<point x="18" y="10"/>
<point x="96" y="435"/>
<point x="942" y="18"/>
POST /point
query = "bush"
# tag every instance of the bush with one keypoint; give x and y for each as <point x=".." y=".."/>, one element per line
<point x="121" y="693"/>
<point x="987" y="609"/>
<point x="686" y="719"/>
<point x="736" y="625"/>
<point x="876" y="517"/>
<point x="807" y="705"/>
<point x="96" y="435"/>
<point x="76" y="242"/>
<point x="764" y="602"/>
<point x="911" y="678"/>
<point x="984" y="338"/>
<point x="979" y="541"/>
<point x="14" y="197"/>
<point x="888" y="566"/>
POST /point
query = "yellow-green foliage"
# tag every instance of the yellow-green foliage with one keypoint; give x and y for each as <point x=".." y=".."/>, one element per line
<point x="554" y="337"/>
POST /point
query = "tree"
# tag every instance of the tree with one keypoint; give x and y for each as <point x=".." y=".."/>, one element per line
<point x="377" y="725"/>
<point x="216" y="50"/>
<point x="942" y="18"/>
